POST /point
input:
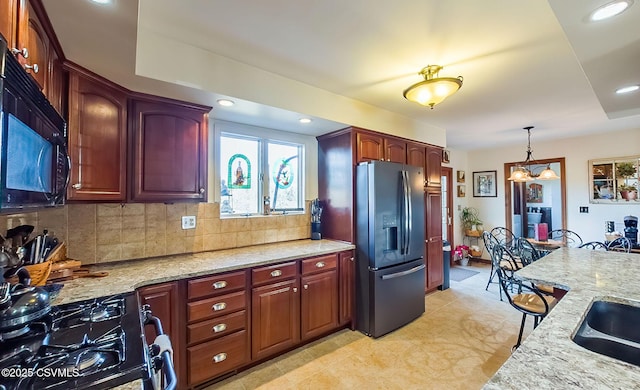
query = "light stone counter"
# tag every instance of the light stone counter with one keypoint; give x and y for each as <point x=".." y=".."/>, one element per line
<point x="548" y="358"/>
<point x="129" y="275"/>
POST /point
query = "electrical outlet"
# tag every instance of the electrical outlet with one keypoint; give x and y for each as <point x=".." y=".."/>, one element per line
<point x="584" y="209"/>
<point x="189" y="222"/>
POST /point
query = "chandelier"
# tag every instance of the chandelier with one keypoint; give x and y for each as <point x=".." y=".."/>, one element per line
<point x="522" y="172"/>
<point x="433" y="90"/>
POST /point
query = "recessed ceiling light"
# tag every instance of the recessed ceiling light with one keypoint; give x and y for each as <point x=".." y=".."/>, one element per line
<point x="102" y="1"/>
<point x="305" y="120"/>
<point x="631" y="88"/>
<point x="225" y="102"/>
<point x="609" y="10"/>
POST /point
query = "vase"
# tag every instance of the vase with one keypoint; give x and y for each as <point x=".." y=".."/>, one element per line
<point x="464" y="261"/>
<point x="629" y="195"/>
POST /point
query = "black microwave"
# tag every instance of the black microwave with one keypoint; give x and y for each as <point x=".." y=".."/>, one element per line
<point x="34" y="163"/>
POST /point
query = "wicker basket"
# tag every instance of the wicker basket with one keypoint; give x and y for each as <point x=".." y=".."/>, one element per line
<point x="473" y="233"/>
<point x="39" y="273"/>
<point x="475" y="253"/>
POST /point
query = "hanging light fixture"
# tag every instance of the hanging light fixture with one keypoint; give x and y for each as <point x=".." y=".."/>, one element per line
<point x="522" y="172"/>
<point x="433" y="90"/>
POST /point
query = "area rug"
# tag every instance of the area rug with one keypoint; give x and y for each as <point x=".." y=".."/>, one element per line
<point x="459" y="274"/>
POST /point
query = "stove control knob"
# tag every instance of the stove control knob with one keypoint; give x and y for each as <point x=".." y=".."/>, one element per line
<point x="154" y="350"/>
<point x="157" y="363"/>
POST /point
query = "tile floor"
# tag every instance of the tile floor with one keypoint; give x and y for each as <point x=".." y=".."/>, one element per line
<point x="461" y="340"/>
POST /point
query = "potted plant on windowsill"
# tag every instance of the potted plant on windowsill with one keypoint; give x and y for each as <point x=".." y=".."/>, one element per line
<point x="626" y="170"/>
<point x="470" y="222"/>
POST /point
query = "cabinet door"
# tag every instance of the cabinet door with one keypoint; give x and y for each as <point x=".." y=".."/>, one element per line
<point x="275" y="318"/>
<point x="369" y="147"/>
<point x="432" y="169"/>
<point x="395" y="150"/>
<point x="169" y="152"/>
<point x="347" y="269"/>
<point x="163" y="300"/>
<point x="97" y="140"/>
<point x="434" y="261"/>
<point x="416" y="155"/>
<point x="9" y="21"/>
<point x="32" y="37"/>
<point x="319" y="306"/>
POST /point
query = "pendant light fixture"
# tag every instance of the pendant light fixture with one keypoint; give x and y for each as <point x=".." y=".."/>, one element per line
<point x="522" y="172"/>
<point x="433" y="90"/>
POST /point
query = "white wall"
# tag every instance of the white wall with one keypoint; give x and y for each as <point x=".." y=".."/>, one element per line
<point x="577" y="153"/>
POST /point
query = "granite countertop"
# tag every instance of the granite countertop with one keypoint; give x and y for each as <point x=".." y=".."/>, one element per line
<point x="548" y="358"/>
<point x="128" y="275"/>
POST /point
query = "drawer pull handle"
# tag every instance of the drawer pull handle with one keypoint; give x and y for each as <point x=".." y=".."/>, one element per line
<point x="220" y="284"/>
<point x="320" y="264"/>
<point x="276" y="273"/>
<point x="221" y="357"/>
<point x="219" y="306"/>
<point x="219" y="328"/>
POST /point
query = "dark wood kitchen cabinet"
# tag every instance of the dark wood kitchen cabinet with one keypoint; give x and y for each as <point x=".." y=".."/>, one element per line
<point x="347" y="280"/>
<point x="168" y="150"/>
<point x="217" y="325"/>
<point x="395" y="150"/>
<point x="369" y="147"/>
<point x="319" y="296"/>
<point x="433" y="244"/>
<point x="416" y="154"/>
<point x="97" y="138"/>
<point x="432" y="171"/>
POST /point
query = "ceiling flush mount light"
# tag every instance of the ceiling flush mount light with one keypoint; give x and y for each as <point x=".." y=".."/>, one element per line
<point x="522" y="172"/>
<point x="433" y="90"/>
<point x="610" y="10"/>
<point x="304" y="120"/>
<point x="631" y="88"/>
<point x="225" y="102"/>
<point x="102" y="1"/>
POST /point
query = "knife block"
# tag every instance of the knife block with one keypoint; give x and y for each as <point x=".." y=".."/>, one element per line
<point x="316" y="232"/>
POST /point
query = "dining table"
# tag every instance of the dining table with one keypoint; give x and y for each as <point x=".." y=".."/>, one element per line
<point x="547" y="245"/>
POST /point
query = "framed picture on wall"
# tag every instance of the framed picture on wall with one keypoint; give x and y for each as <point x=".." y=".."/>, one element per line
<point x="484" y="184"/>
<point x="462" y="190"/>
<point x="445" y="156"/>
<point x="460" y="176"/>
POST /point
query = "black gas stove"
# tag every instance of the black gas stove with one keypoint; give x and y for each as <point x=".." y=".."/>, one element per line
<point x="95" y="344"/>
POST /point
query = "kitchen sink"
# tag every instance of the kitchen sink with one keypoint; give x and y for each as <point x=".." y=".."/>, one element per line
<point x="611" y="328"/>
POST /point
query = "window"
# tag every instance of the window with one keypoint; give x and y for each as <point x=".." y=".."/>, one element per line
<point x="615" y="180"/>
<point x="254" y="169"/>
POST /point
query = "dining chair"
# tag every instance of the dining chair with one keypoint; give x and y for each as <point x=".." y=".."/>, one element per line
<point x="489" y="243"/>
<point x="528" y="253"/>
<point x="570" y="238"/>
<point x="594" y="245"/>
<point x="528" y="300"/>
<point x="620" y="244"/>
<point x="505" y="237"/>
<point x="505" y="260"/>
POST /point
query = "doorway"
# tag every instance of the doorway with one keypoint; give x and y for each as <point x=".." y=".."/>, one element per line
<point x="447" y="204"/>
<point x="537" y="201"/>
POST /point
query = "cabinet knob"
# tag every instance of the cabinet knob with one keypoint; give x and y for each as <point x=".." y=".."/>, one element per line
<point x="276" y="273"/>
<point x="295" y="289"/>
<point x="220" y="284"/>
<point x="219" y="328"/>
<point x="77" y="186"/>
<point x="24" y="52"/>
<point x="219" y="306"/>
<point x="33" y="67"/>
<point x="221" y="357"/>
<point x="320" y="264"/>
<point x="351" y="259"/>
<point x="306" y="286"/>
<point x="202" y="190"/>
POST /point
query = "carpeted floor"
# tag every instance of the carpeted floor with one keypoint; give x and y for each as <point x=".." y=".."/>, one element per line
<point x="459" y="274"/>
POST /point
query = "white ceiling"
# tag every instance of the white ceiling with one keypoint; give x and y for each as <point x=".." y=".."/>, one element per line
<point x="526" y="62"/>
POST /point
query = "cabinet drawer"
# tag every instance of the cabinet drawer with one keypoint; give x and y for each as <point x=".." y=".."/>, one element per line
<point x="216" y="284"/>
<point x="211" y="359"/>
<point x="319" y="264"/>
<point x="274" y="273"/>
<point x="216" y="327"/>
<point x="216" y="306"/>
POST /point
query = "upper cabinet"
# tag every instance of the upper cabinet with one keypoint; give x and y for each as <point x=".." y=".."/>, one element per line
<point x="29" y="35"/>
<point x="432" y="169"/>
<point x="97" y="138"/>
<point x="369" y="147"/>
<point x="168" y="150"/>
<point x="614" y="180"/>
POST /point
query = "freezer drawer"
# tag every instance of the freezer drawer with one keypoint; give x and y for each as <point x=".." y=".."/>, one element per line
<point x="395" y="298"/>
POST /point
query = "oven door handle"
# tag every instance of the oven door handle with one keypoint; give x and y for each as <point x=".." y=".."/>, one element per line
<point x="169" y="371"/>
<point x="165" y="352"/>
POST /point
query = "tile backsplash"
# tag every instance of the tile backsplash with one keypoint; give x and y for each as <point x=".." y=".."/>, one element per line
<point x="106" y="232"/>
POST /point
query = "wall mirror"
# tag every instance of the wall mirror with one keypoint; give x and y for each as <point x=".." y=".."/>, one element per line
<point x="614" y="180"/>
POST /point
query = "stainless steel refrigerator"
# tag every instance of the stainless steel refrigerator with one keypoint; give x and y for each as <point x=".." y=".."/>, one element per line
<point x="390" y="222"/>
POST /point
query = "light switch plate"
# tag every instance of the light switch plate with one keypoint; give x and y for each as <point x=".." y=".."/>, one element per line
<point x="189" y="222"/>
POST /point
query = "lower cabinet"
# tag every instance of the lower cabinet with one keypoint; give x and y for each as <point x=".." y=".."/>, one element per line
<point x="224" y="322"/>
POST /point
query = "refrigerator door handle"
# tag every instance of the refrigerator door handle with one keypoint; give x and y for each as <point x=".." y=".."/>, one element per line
<point x="403" y="273"/>
<point x="409" y="211"/>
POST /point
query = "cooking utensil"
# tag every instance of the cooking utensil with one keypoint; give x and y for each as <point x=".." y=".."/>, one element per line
<point x="27" y="303"/>
<point x="22" y="232"/>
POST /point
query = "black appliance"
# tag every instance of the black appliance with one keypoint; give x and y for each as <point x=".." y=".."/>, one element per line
<point x="34" y="163"/>
<point x="97" y="343"/>
<point x="390" y="276"/>
<point x="631" y="229"/>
